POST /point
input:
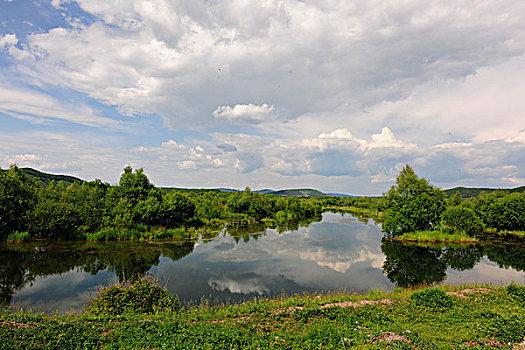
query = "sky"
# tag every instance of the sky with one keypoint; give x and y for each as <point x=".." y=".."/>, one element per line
<point x="336" y="95"/>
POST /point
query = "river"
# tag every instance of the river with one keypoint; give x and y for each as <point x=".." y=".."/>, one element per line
<point x="339" y="253"/>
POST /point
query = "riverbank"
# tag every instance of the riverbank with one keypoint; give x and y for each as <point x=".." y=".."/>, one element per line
<point x="435" y="237"/>
<point x="475" y="317"/>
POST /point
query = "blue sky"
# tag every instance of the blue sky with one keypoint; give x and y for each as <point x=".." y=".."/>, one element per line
<point x="334" y="95"/>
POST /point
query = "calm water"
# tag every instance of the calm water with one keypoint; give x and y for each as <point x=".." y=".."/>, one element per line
<point x="338" y="253"/>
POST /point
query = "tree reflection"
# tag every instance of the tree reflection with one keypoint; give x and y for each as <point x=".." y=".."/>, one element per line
<point x="21" y="264"/>
<point x="507" y="256"/>
<point x="413" y="265"/>
<point x="463" y="258"/>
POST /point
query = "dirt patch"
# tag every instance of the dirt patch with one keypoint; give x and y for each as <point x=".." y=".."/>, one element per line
<point x="358" y="303"/>
<point x="16" y="325"/>
<point x="492" y="343"/>
<point x="390" y="337"/>
<point x="520" y="346"/>
<point x="466" y="293"/>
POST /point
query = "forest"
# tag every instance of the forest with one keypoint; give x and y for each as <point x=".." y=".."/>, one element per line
<point x="137" y="209"/>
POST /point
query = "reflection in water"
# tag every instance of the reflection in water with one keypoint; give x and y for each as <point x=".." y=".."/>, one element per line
<point x="22" y="264"/>
<point x="239" y="263"/>
<point x="413" y="265"/>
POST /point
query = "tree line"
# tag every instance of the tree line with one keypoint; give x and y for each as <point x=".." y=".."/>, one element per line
<point x="132" y="209"/>
<point x="135" y="208"/>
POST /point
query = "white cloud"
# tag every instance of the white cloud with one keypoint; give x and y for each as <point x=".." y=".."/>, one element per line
<point x="19" y="158"/>
<point x="309" y="84"/>
<point x="8" y="40"/>
<point x="29" y="104"/>
<point x="250" y="114"/>
<point x="168" y="57"/>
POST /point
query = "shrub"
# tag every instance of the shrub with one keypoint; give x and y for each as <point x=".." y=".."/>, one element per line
<point x="433" y="298"/>
<point x="462" y="219"/>
<point x="141" y="296"/>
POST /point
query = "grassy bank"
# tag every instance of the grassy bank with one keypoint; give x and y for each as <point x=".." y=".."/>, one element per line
<point x="435" y="237"/>
<point x="359" y="212"/>
<point x="475" y="317"/>
<point x="121" y="234"/>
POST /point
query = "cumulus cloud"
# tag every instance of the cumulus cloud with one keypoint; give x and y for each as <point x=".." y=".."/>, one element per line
<point x="8" y="40"/>
<point x="250" y="114"/>
<point x="169" y="57"/>
<point x="309" y="85"/>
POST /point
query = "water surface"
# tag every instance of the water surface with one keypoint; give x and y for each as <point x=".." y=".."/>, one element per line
<point x="338" y="253"/>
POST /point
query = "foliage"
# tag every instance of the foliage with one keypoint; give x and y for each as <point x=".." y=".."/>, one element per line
<point x="507" y="328"/>
<point x="17" y="198"/>
<point x="413" y="204"/>
<point x="433" y="298"/>
<point x="516" y="292"/>
<point x="141" y="296"/>
<point x="18" y="236"/>
<point x="463" y="219"/>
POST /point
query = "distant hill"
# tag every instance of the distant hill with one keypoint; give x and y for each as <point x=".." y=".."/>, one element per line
<point x="46" y="178"/>
<point x="340" y="195"/>
<point x="300" y="192"/>
<point x="469" y="192"/>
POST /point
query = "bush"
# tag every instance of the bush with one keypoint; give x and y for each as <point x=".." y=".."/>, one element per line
<point x="141" y="296"/>
<point x="433" y="298"/>
<point x="462" y="219"/>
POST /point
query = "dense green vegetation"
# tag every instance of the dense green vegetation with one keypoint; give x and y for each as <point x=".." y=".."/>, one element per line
<point x="133" y="209"/>
<point x="417" y="210"/>
<point x="36" y="206"/>
<point x="479" y="317"/>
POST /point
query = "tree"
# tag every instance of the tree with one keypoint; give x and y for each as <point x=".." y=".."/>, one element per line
<point x="413" y="204"/>
<point x="460" y="218"/>
<point x="17" y="197"/>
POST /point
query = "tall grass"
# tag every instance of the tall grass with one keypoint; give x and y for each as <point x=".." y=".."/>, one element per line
<point x="436" y="236"/>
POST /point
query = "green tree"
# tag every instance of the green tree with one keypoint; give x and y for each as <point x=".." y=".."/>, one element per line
<point x="17" y="198"/>
<point x="134" y="186"/>
<point x="460" y="218"/>
<point x="455" y="199"/>
<point x="508" y="212"/>
<point x="413" y="204"/>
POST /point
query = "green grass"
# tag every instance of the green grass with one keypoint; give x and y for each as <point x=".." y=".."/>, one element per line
<point x="475" y="317"/>
<point x="434" y="237"/>
<point x="506" y="232"/>
<point x="361" y="212"/>
<point x="18" y="236"/>
<point x="139" y="233"/>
